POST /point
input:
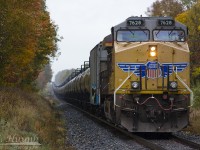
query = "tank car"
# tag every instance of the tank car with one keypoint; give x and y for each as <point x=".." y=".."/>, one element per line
<point x="138" y="76"/>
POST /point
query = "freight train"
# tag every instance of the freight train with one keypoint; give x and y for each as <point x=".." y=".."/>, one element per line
<point x="138" y="77"/>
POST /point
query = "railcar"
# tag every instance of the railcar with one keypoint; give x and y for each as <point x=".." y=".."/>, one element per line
<point x="138" y="77"/>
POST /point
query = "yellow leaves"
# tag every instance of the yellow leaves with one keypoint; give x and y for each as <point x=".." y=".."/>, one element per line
<point x="26" y="57"/>
<point x="196" y="72"/>
<point x="191" y="18"/>
<point x="182" y="17"/>
<point x="29" y="38"/>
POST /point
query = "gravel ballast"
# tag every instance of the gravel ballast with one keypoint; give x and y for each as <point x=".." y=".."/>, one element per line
<point x="84" y="133"/>
<point x="188" y="136"/>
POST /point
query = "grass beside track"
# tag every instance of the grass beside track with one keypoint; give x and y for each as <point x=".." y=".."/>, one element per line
<point x="194" y="126"/>
<point x="27" y="117"/>
<point x="194" y="122"/>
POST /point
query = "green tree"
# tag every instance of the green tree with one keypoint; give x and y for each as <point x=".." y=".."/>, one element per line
<point x="165" y="8"/>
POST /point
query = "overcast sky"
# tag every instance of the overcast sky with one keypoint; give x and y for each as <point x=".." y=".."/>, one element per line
<point x="84" y="23"/>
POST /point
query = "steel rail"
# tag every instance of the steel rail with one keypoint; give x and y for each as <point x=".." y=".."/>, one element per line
<point x="186" y="142"/>
<point x="136" y="138"/>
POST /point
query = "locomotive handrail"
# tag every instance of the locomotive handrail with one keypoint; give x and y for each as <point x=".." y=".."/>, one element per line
<point x="120" y="87"/>
<point x="185" y="85"/>
<point x="129" y="75"/>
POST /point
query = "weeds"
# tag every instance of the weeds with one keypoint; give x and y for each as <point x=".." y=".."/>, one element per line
<point x="26" y="116"/>
<point x="195" y="111"/>
<point x="194" y="122"/>
<point x="196" y="91"/>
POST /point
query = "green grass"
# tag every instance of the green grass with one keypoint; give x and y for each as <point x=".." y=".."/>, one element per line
<point x="26" y="116"/>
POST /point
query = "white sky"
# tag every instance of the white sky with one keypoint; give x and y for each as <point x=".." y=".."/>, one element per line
<point x="84" y="23"/>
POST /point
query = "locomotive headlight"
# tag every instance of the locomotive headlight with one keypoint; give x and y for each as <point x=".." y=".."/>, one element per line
<point x="152" y="54"/>
<point x="153" y="50"/>
<point x="173" y="85"/>
<point x="135" y="85"/>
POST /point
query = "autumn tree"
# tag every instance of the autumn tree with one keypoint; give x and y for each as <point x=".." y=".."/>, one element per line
<point x="192" y="19"/>
<point x="165" y="8"/>
<point x="187" y="4"/>
<point x="28" y="39"/>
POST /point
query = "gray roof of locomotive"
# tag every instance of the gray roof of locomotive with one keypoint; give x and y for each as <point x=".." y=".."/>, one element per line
<point x="150" y="23"/>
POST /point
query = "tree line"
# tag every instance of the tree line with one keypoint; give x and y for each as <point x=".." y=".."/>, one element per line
<point x="28" y="38"/>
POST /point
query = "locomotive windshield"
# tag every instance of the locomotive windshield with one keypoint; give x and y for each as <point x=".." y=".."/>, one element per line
<point x="169" y="35"/>
<point x="132" y="35"/>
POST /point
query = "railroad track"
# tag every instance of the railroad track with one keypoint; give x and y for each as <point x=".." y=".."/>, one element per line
<point x="140" y="140"/>
<point x="136" y="138"/>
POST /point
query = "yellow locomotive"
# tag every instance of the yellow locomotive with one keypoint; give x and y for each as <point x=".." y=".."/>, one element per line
<point x="138" y="77"/>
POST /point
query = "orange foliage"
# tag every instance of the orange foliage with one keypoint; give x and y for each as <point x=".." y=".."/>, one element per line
<point x="27" y="39"/>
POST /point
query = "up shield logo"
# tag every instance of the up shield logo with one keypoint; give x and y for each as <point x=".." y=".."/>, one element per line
<point x="152" y="69"/>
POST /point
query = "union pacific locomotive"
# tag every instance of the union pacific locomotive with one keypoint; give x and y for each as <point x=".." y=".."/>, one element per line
<point x="138" y="77"/>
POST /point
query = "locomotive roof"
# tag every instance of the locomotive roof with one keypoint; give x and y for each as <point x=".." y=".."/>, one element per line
<point x="149" y="23"/>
